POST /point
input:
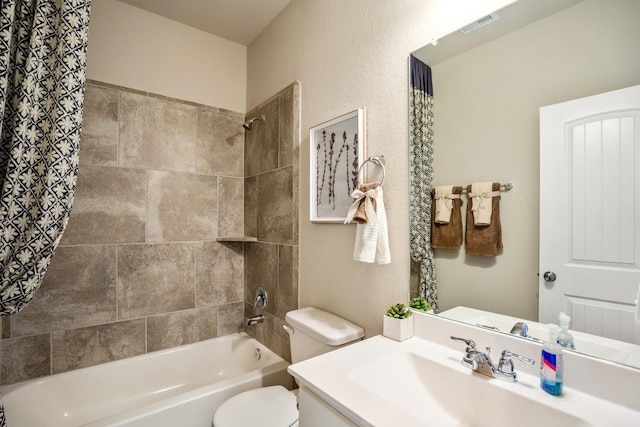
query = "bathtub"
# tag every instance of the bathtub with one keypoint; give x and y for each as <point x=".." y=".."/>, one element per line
<point x="179" y="387"/>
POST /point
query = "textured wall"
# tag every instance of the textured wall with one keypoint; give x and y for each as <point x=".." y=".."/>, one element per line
<point x="350" y="54"/>
<point x="138" y="268"/>
<point x="271" y="214"/>
<point x="134" y="48"/>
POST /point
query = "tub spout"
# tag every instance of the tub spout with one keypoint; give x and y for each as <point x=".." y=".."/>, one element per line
<point x="249" y="321"/>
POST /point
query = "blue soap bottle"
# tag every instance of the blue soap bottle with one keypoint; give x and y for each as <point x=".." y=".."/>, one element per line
<point x="552" y="363"/>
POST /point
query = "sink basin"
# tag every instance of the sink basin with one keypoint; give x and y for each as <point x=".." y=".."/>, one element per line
<point x="445" y="396"/>
<point x="421" y="382"/>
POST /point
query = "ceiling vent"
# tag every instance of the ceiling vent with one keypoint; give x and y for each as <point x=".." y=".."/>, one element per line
<point x="479" y="23"/>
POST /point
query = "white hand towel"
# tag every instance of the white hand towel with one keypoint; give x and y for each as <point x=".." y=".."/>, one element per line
<point x="481" y="194"/>
<point x="444" y="203"/>
<point x="372" y="240"/>
<point x="383" y="253"/>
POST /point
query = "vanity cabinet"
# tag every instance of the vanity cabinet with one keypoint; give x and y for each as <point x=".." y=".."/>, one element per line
<point x="315" y="412"/>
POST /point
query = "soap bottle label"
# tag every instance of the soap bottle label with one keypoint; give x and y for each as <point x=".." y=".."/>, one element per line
<point x="550" y="378"/>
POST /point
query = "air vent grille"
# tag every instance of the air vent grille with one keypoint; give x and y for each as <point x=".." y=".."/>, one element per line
<point x="479" y="23"/>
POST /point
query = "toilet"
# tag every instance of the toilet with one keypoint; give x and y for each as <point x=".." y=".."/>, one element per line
<point x="311" y="332"/>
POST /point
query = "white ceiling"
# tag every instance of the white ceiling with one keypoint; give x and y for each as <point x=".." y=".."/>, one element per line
<point x="240" y="21"/>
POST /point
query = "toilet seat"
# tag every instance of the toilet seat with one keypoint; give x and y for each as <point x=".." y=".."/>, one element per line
<point x="265" y="407"/>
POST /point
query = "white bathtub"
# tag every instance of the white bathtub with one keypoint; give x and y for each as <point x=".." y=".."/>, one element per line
<point x="179" y="387"/>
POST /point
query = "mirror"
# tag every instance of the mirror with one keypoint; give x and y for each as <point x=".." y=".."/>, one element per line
<point x="488" y="88"/>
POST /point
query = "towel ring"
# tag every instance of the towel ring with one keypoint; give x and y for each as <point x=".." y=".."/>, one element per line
<point x="378" y="160"/>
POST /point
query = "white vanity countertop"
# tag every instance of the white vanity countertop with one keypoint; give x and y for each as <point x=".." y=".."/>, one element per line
<point x="334" y="377"/>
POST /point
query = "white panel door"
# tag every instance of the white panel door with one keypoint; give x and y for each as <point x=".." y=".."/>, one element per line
<point x="590" y="213"/>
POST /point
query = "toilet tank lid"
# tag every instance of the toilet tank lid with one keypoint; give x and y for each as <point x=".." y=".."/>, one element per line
<point x="323" y="326"/>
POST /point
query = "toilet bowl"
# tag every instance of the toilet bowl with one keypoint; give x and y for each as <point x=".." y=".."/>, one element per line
<point x="311" y="332"/>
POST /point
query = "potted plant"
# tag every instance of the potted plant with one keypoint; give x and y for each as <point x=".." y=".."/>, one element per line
<point x="398" y="322"/>
<point x="421" y="304"/>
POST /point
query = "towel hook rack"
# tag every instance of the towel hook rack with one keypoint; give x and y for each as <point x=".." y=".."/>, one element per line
<point x="378" y="160"/>
<point x="503" y="187"/>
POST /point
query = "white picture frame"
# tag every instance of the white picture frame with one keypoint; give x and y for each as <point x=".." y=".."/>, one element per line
<point x="337" y="150"/>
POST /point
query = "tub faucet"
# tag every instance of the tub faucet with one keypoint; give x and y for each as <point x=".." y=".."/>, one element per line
<point x="481" y="362"/>
<point x="253" y="320"/>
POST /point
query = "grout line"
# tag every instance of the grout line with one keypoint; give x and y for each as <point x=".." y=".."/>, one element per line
<point x="220" y="110"/>
<point x="50" y="353"/>
<point x="117" y="293"/>
<point x="146" y="343"/>
<point x="118" y="130"/>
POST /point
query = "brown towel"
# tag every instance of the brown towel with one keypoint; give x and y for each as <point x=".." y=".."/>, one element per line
<point x="360" y="216"/>
<point x="448" y="236"/>
<point x="484" y="240"/>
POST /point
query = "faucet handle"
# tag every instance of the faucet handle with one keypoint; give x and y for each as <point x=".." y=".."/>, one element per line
<point x="261" y="299"/>
<point x="505" y="364"/>
<point x="470" y="343"/>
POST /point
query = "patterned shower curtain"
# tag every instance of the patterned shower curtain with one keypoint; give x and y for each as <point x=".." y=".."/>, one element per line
<point x="421" y="176"/>
<point x="43" y="52"/>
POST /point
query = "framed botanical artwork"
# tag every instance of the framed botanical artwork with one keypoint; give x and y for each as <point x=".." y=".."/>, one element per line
<point x="337" y="150"/>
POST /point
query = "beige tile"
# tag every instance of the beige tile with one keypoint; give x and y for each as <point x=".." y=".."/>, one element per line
<point x="206" y="323"/>
<point x="231" y="206"/>
<point x="25" y="358"/>
<point x="295" y="123"/>
<point x="6" y="326"/>
<point x="295" y="139"/>
<point x="219" y="273"/>
<point x="79" y="289"/>
<point x="261" y="269"/>
<point x="99" y="141"/>
<point x="230" y="318"/>
<point x="157" y="133"/>
<point x="251" y="206"/>
<point x="79" y="348"/>
<point x="219" y="144"/>
<point x="181" y="207"/>
<point x="276" y="338"/>
<point x="285" y="137"/>
<point x="155" y="279"/>
<point x="275" y="206"/>
<point x="170" y="330"/>
<point x="296" y="205"/>
<point x="287" y="281"/>
<point x="109" y="207"/>
<point x="261" y="142"/>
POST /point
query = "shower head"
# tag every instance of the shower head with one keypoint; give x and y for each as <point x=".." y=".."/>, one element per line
<point x="247" y="125"/>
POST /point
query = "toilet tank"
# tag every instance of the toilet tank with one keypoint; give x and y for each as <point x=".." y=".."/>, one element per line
<point x="316" y="332"/>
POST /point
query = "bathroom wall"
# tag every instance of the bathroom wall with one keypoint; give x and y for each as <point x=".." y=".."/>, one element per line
<point x="138" y="268"/>
<point x="134" y="48"/>
<point x="496" y="90"/>
<point x="271" y="214"/>
<point x="350" y="54"/>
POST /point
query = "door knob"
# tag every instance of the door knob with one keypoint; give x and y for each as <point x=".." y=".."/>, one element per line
<point x="549" y="276"/>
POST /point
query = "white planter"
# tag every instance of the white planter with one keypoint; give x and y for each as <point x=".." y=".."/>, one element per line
<point x="397" y="329"/>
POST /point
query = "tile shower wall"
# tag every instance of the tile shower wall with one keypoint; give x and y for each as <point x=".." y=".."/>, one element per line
<point x="271" y="214"/>
<point x="138" y="268"/>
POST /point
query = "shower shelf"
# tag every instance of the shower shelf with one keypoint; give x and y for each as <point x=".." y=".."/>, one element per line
<point x="236" y="239"/>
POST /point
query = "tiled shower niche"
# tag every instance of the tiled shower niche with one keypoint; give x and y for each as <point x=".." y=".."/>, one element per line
<point x="138" y="268"/>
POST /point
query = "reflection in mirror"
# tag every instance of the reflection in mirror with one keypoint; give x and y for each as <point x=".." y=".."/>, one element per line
<point x="486" y="107"/>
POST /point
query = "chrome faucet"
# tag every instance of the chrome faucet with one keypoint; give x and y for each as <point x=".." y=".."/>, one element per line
<point x="253" y="320"/>
<point x="480" y="362"/>
<point x="520" y="328"/>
